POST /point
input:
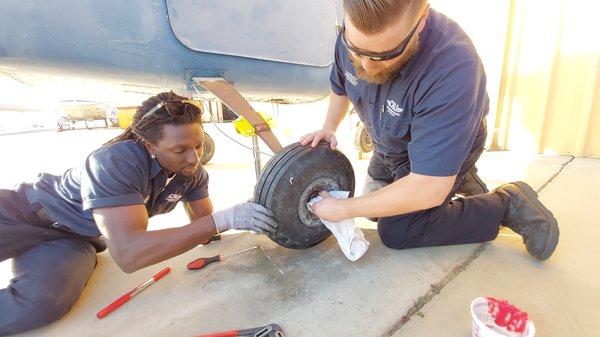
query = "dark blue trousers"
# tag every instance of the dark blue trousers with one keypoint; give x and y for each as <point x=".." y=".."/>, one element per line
<point x="456" y="221"/>
<point x="51" y="267"/>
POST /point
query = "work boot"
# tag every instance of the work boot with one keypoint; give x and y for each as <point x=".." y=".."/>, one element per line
<point x="472" y="184"/>
<point x="371" y="186"/>
<point x="527" y="216"/>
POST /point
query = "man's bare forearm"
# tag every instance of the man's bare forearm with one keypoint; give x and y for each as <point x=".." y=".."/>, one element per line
<point x="409" y="194"/>
<point x="146" y="248"/>
<point x="338" y="107"/>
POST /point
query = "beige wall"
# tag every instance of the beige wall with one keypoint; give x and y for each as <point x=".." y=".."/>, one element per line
<point x="542" y="59"/>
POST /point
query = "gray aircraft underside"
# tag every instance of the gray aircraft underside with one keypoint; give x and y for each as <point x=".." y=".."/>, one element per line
<point x="269" y="49"/>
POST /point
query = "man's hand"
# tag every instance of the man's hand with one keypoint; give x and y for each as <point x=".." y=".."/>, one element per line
<point x="246" y="216"/>
<point x="329" y="209"/>
<point x="314" y="138"/>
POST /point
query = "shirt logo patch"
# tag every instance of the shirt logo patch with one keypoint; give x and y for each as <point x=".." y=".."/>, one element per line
<point x="351" y="78"/>
<point x="393" y="109"/>
<point x="173" y="197"/>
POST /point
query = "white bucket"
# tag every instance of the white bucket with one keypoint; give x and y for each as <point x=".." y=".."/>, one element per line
<point x="482" y="327"/>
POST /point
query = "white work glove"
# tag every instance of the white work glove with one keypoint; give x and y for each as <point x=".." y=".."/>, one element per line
<point x="245" y="216"/>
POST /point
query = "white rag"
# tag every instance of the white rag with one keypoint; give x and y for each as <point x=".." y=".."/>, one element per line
<point x="351" y="239"/>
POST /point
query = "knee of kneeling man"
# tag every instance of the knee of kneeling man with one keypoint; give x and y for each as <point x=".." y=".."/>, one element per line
<point x="388" y="242"/>
<point x="389" y="234"/>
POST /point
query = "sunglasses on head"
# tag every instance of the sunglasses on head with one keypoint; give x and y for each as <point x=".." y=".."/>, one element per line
<point x="175" y="108"/>
<point x="379" y="56"/>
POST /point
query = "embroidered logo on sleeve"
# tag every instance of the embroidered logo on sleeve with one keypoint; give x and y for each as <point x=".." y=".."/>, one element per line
<point x="351" y="78"/>
<point x="393" y="108"/>
<point x="173" y="197"/>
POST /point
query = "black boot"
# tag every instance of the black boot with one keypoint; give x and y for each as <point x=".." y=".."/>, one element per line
<point x="527" y="216"/>
<point x="472" y="184"/>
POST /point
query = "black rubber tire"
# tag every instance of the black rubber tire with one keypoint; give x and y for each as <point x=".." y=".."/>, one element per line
<point x="286" y="179"/>
<point x="209" y="149"/>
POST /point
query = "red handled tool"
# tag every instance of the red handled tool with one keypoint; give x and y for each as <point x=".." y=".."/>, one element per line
<point x="133" y="292"/>
<point x="204" y="261"/>
<point x="271" y="330"/>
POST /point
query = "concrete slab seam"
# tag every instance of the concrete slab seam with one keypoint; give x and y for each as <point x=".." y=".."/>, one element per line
<point x="555" y="174"/>
<point x="437" y="287"/>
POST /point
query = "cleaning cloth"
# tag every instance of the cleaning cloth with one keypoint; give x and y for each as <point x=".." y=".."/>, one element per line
<point x="351" y="239"/>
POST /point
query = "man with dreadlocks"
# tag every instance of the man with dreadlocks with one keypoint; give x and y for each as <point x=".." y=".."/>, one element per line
<point x="54" y="227"/>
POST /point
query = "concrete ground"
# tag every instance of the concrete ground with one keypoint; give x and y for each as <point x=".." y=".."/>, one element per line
<point x="318" y="292"/>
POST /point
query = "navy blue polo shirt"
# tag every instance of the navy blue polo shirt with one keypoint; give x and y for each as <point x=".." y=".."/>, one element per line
<point x="428" y="113"/>
<point x="119" y="174"/>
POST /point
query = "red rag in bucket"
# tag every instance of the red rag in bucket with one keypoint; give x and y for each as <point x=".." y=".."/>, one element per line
<point x="507" y="315"/>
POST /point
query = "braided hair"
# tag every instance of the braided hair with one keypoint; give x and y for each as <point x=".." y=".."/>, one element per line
<point x="150" y="128"/>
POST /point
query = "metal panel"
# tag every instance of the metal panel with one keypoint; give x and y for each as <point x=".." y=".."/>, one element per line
<point x="263" y="29"/>
<point x="130" y="45"/>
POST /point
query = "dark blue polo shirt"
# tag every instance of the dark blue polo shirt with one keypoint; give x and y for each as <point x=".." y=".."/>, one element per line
<point x="119" y="174"/>
<point x="430" y="112"/>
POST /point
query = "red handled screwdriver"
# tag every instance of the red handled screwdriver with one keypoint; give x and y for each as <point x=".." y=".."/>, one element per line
<point x="204" y="261"/>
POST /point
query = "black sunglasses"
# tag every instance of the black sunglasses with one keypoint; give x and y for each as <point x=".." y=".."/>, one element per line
<point x="173" y="110"/>
<point x="379" y="56"/>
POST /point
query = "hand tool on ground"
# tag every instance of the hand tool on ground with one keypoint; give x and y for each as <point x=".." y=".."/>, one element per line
<point x="204" y="261"/>
<point x="133" y="292"/>
<point x="214" y="238"/>
<point x="271" y="330"/>
<point x="220" y="237"/>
